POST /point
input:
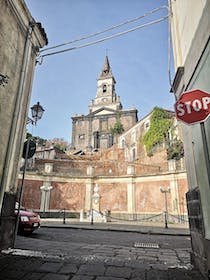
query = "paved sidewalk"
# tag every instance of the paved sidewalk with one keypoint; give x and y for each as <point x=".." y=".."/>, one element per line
<point x="132" y="226"/>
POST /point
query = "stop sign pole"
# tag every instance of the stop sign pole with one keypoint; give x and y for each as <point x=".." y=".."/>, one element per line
<point x="194" y="107"/>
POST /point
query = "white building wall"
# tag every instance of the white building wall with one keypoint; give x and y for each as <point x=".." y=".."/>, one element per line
<point x="186" y="17"/>
<point x="191" y="46"/>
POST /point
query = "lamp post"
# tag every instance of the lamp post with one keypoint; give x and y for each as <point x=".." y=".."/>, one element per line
<point x="166" y="191"/>
<point x="28" y="151"/>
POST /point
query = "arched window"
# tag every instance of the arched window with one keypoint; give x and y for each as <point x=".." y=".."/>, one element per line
<point x="104" y="88"/>
<point x="123" y="143"/>
<point x="96" y="140"/>
<point x="134" y="153"/>
<point x="146" y="125"/>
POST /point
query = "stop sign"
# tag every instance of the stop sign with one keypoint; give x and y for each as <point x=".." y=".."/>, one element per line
<point x="193" y="106"/>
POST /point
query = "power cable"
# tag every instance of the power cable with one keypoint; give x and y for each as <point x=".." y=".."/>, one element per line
<point x="107" y="29"/>
<point x="102" y="39"/>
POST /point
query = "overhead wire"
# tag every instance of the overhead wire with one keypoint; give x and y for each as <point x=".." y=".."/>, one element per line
<point x="169" y="46"/>
<point x="40" y="57"/>
<point x="107" y="29"/>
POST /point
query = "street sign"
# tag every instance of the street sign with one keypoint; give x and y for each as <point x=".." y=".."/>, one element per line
<point x="193" y="106"/>
<point x="29" y="149"/>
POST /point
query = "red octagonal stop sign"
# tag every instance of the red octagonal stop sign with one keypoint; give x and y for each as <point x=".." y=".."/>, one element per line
<point x="193" y="106"/>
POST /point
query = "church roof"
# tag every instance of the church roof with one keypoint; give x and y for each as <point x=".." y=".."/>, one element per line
<point x="103" y="110"/>
<point x="106" y="71"/>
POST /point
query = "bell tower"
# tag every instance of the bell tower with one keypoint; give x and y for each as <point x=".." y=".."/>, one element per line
<point x="105" y="95"/>
<point x="94" y="130"/>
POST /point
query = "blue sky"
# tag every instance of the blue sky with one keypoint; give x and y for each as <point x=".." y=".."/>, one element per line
<point x="65" y="83"/>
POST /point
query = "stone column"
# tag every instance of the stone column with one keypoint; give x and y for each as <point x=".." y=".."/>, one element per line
<point x="131" y="192"/>
<point x="174" y="188"/>
<point x="172" y="165"/>
<point x="45" y="198"/>
<point x="175" y="195"/>
<point x="73" y="140"/>
<point x="96" y="199"/>
<point x="89" y="187"/>
<point x="88" y="198"/>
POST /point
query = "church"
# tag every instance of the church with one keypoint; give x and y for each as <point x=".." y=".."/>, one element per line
<point x="92" y="132"/>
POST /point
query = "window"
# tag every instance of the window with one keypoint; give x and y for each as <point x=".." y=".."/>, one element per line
<point x="110" y="140"/>
<point x="96" y="139"/>
<point x="81" y="136"/>
<point x="146" y="125"/>
<point x="123" y="143"/>
<point x="134" y="154"/>
<point x="104" y="88"/>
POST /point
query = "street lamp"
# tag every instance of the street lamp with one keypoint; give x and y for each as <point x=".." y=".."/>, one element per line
<point x="166" y="191"/>
<point x="28" y="151"/>
<point x="36" y="113"/>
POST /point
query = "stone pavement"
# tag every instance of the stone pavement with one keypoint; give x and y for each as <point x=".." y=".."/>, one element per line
<point x="132" y="226"/>
<point x="81" y="261"/>
<point x="19" y="266"/>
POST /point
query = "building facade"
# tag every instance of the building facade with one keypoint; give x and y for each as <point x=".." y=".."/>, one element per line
<point x="129" y="190"/>
<point x="126" y="183"/>
<point x="21" y="38"/>
<point x="190" y="26"/>
<point x="93" y="131"/>
<point x="132" y="139"/>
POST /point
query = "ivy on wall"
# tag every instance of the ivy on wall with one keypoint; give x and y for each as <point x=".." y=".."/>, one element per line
<point x="118" y="127"/>
<point x="175" y="150"/>
<point x="160" y="124"/>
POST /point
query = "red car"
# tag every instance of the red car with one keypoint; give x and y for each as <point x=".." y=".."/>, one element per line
<point x="28" y="221"/>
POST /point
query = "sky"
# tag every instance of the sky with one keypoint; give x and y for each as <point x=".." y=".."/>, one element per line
<point x="65" y="83"/>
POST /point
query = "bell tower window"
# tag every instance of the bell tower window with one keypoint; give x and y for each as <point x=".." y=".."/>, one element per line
<point x="104" y="88"/>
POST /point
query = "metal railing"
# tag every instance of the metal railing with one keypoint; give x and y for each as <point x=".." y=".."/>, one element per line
<point x="93" y="215"/>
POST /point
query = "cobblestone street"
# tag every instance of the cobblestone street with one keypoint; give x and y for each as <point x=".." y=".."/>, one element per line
<point x="93" y="267"/>
<point x="62" y="259"/>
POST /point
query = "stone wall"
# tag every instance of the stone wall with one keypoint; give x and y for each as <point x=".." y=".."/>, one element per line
<point x="125" y="188"/>
<point x="68" y="195"/>
<point x="123" y="195"/>
<point x="20" y="37"/>
<point x="101" y="167"/>
<point x="113" y="196"/>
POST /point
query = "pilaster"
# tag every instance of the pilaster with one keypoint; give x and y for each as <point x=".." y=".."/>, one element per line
<point x="131" y="207"/>
<point x="89" y="188"/>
